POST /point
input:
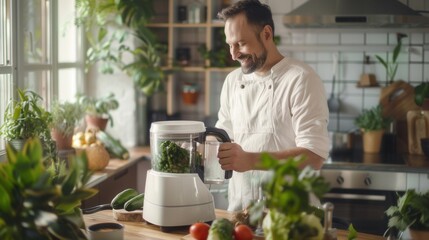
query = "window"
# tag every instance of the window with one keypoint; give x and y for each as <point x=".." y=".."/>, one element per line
<point x="41" y="50"/>
<point x="6" y="66"/>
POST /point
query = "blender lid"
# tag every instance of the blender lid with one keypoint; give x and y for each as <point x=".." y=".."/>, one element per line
<point x="178" y="127"/>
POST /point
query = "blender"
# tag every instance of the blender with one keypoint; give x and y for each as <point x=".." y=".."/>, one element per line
<point x="175" y="194"/>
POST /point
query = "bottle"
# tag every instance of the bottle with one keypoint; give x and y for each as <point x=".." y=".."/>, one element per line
<point x="330" y="233"/>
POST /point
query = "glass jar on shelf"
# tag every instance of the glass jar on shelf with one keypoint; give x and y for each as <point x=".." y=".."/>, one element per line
<point x="197" y="12"/>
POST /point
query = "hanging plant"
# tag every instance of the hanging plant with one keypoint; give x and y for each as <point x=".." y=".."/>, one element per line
<point x="109" y="25"/>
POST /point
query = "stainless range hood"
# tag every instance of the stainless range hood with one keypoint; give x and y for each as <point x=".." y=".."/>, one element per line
<point x="354" y="13"/>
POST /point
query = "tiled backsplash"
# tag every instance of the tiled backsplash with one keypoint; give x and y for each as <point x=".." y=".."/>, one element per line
<point x="317" y="46"/>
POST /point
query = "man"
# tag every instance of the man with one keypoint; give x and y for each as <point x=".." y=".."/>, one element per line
<point x="272" y="104"/>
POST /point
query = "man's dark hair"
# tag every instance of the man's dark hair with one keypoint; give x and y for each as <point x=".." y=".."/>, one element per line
<point x="257" y="14"/>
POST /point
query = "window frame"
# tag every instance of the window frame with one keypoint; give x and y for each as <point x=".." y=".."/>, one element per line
<point x="18" y="69"/>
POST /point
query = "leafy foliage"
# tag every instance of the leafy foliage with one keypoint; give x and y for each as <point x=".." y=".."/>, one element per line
<point x="412" y="210"/>
<point x="392" y="66"/>
<point x="99" y="107"/>
<point x="109" y="26"/>
<point x="26" y="118"/>
<point x="372" y="119"/>
<point x="38" y="202"/>
<point x="65" y="116"/>
<point x="174" y="159"/>
<point x="287" y="196"/>
<point x="352" y="234"/>
<point x="421" y="92"/>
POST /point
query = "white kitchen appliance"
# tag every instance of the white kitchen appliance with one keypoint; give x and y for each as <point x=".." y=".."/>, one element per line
<point x="175" y="194"/>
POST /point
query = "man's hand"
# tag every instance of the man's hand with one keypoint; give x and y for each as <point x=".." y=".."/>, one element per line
<point x="233" y="157"/>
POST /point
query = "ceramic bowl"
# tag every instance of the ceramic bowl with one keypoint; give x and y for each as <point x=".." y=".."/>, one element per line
<point x="106" y="231"/>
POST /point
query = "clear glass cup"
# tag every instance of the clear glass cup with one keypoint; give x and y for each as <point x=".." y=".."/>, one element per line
<point x="257" y="197"/>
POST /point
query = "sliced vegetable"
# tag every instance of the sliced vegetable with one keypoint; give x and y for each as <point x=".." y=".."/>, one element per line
<point x="135" y="203"/>
<point x="121" y="198"/>
<point x="113" y="146"/>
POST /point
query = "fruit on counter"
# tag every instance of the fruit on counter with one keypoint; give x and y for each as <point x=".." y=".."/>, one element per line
<point x="243" y="232"/>
<point x="199" y="231"/>
<point x="121" y="198"/>
<point x="113" y="146"/>
<point x="98" y="157"/>
<point x="221" y="229"/>
<point x="135" y="203"/>
<point x="85" y="139"/>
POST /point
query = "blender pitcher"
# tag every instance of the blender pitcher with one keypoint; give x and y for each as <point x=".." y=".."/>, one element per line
<point x="178" y="147"/>
<point x="213" y="173"/>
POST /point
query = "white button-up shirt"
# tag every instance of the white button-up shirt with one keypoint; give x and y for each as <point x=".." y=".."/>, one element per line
<point x="284" y="109"/>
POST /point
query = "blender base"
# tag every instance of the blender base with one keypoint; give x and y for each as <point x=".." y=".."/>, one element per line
<point x="174" y="200"/>
<point x="170" y="218"/>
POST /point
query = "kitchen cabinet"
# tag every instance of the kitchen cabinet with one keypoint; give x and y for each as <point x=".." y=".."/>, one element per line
<point x="107" y="189"/>
<point x="184" y="32"/>
<point x="119" y="175"/>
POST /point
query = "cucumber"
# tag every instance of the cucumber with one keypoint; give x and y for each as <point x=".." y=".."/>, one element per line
<point x="135" y="203"/>
<point x="113" y="146"/>
<point x="121" y="198"/>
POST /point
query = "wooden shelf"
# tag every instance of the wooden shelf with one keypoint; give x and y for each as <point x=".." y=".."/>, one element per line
<point x="190" y="35"/>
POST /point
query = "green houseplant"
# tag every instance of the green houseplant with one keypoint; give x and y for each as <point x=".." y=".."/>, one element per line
<point x="65" y="117"/>
<point x="287" y="196"/>
<point x="372" y="124"/>
<point x="411" y="211"/>
<point x="98" y="110"/>
<point x="109" y="25"/>
<point x="39" y="202"/>
<point x="391" y="66"/>
<point x="25" y="118"/>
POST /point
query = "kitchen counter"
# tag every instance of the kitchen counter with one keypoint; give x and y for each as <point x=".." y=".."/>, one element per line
<point x="143" y="230"/>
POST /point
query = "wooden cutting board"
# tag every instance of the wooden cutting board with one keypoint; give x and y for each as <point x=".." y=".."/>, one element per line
<point x="128" y="216"/>
<point x="397" y="99"/>
<point x="418" y="127"/>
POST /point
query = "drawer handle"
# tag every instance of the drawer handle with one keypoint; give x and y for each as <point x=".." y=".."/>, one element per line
<point x="350" y="196"/>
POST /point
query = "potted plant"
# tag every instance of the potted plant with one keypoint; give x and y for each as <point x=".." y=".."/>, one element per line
<point x="392" y="66"/>
<point x="412" y="212"/>
<point x="372" y="124"/>
<point x="25" y="118"/>
<point x="38" y="202"/>
<point x="287" y="198"/>
<point x="98" y="110"/>
<point x="65" y="117"/>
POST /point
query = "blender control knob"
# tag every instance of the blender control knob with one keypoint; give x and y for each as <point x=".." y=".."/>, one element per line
<point x="367" y="181"/>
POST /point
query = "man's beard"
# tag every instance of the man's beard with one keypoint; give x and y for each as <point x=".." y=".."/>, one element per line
<point x="255" y="62"/>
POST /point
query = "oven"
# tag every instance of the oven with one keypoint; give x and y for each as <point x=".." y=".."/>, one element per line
<point x="361" y="197"/>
